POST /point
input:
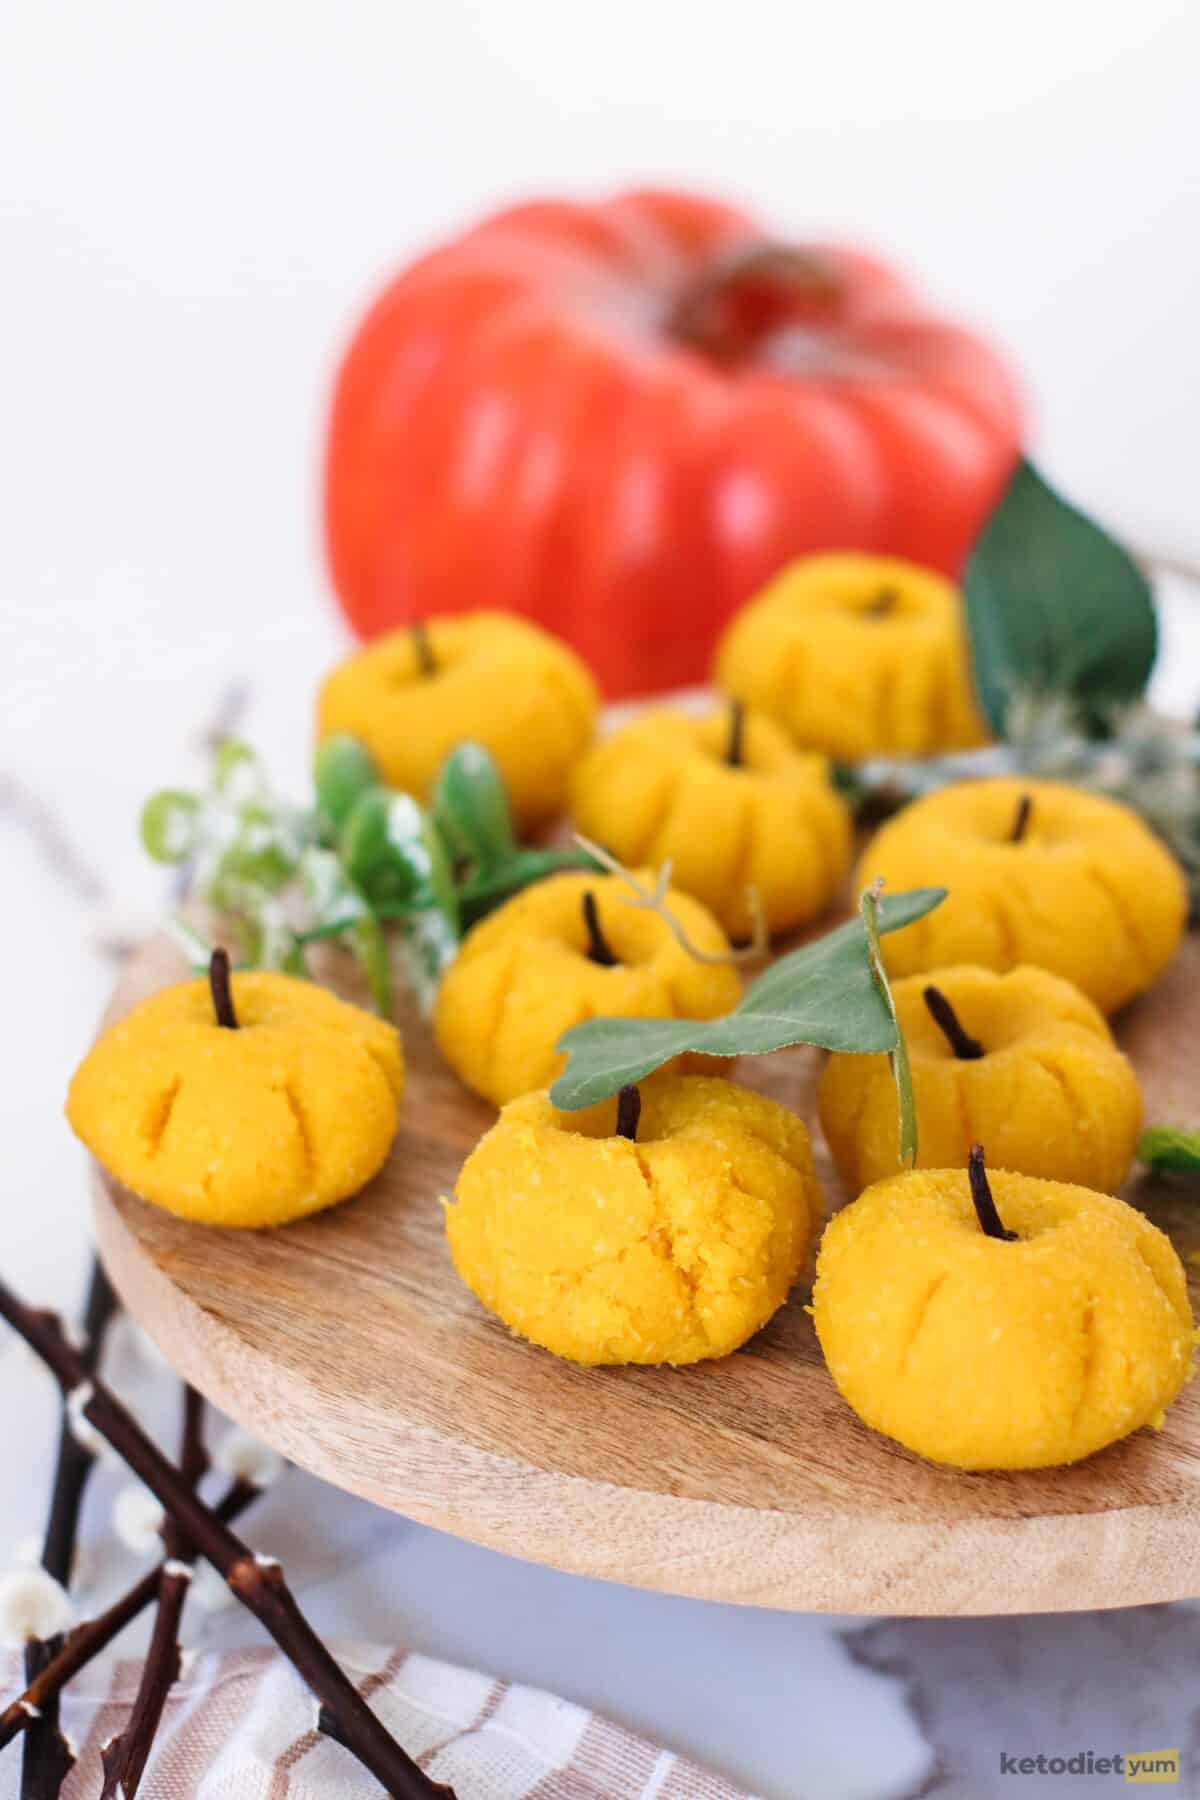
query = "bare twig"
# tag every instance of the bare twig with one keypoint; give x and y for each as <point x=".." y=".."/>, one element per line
<point x="91" y="1638"/>
<point x="257" y="1581"/>
<point x="124" y="1758"/>
<point x="48" y="1757"/>
<point x="653" y="899"/>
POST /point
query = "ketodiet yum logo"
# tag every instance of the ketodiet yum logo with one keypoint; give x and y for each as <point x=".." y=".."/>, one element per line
<point x="1140" y="1767"/>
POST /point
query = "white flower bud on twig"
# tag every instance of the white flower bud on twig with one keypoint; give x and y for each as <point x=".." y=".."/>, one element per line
<point x="82" y="1429"/>
<point x="32" y="1605"/>
<point x="243" y="1458"/>
<point x="209" y="1590"/>
<point x="138" y="1519"/>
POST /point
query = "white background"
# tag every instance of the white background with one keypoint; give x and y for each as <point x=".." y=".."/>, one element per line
<point x="195" y="201"/>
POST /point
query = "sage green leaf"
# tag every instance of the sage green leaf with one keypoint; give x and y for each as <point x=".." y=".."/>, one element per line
<point x="1055" y="606"/>
<point x="169" y="824"/>
<point x="369" y="947"/>
<point x="825" y="993"/>
<point x="343" y="770"/>
<point x="470" y="805"/>
<point x="1171" y="1148"/>
<point x="868" y="906"/>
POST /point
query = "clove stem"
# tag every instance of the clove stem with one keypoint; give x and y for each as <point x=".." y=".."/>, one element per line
<point x="735" y="753"/>
<point x="964" y="1046"/>
<point x="599" y="949"/>
<point x="629" y="1111"/>
<point x="1021" y="821"/>
<point x="981" y="1193"/>
<point x="222" y="989"/>
<point x="426" y="661"/>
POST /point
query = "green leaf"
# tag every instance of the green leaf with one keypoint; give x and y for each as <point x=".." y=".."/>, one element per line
<point x="1171" y="1148"/>
<point x="342" y="772"/>
<point x="369" y="946"/>
<point x="1054" y="605"/>
<point x="485" y="888"/>
<point x="169" y="823"/>
<point x="825" y="993"/>
<point x="470" y="805"/>
<point x="868" y="906"/>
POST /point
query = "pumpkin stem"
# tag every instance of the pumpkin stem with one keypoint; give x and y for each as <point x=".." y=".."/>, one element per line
<point x="735" y="752"/>
<point x="741" y="298"/>
<point x="599" y="950"/>
<point x="964" y="1046"/>
<point x="981" y="1194"/>
<point x="426" y="661"/>
<point x="629" y="1111"/>
<point x="1021" y="822"/>
<point x="883" y="604"/>
<point x="222" y="989"/>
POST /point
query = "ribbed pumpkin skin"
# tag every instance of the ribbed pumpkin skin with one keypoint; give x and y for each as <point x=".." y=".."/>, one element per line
<point x="518" y="424"/>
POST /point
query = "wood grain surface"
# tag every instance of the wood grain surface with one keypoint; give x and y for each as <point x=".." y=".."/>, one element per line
<point x="349" y="1344"/>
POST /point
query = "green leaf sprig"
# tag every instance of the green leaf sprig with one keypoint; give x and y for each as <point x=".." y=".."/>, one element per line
<point x="359" y="861"/>
<point x="1170" y="1149"/>
<point x="832" y="993"/>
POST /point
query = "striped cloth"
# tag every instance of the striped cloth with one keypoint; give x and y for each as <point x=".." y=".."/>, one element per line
<point x="240" y="1726"/>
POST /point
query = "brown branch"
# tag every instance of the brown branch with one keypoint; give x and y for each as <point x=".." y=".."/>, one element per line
<point x="93" y="1636"/>
<point x="257" y="1581"/>
<point x="48" y="1758"/>
<point x="124" y="1757"/>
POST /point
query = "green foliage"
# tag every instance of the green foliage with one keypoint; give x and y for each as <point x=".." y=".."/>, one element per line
<point x="831" y="992"/>
<point x="1055" y="607"/>
<point x="1171" y="1149"/>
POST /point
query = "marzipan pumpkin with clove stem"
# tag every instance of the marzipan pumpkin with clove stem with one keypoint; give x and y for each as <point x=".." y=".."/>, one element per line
<point x="622" y="418"/>
<point x="856" y="656"/>
<point x="567" y="949"/>
<point x="414" y="696"/>
<point x="1021" y="1060"/>
<point x="246" y="1101"/>
<point x="1001" y="1322"/>
<point x="665" y="1226"/>
<point x="728" y="801"/>
<point x="1037" y="872"/>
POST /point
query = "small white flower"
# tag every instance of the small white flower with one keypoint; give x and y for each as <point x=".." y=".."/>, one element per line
<point x="137" y="1519"/>
<point x="82" y="1430"/>
<point x="243" y="1458"/>
<point x="32" y="1605"/>
<point x="209" y="1589"/>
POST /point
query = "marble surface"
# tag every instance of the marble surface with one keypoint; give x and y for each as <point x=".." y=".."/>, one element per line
<point x="109" y="696"/>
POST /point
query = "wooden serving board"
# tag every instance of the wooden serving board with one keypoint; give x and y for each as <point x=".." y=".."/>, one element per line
<point x="349" y="1344"/>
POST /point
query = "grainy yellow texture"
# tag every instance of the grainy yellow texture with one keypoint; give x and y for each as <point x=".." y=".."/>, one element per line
<point x="671" y="1249"/>
<point x="499" y="680"/>
<point x="994" y="1355"/>
<point x="1089" y="892"/>
<point x="290" y="1112"/>
<point x="1052" y="1096"/>
<point x="523" y="977"/>
<point x="856" y="655"/>
<point x="663" y="787"/>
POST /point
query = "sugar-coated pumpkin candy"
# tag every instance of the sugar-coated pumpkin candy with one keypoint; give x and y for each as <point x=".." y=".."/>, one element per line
<point x="1038" y="872"/>
<point x="287" y="1107"/>
<point x="856" y="655"/>
<point x="667" y="1246"/>
<point x="1020" y="1061"/>
<point x="567" y="949"/>
<point x="988" y="1351"/>
<point x="489" y="677"/>
<point x="730" y="802"/>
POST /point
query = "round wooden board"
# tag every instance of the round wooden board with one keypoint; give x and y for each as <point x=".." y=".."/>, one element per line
<point x="349" y="1344"/>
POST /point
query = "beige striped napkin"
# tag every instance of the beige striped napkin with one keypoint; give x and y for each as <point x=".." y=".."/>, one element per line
<point x="240" y="1726"/>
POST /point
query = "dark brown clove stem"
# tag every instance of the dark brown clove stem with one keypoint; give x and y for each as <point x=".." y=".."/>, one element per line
<point x="599" y="950"/>
<point x="48" y="1758"/>
<point x="735" y="754"/>
<point x="1021" y="821"/>
<point x="629" y="1111"/>
<point x="93" y="1636"/>
<point x="981" y="1194"/>
<point x="883" y="604"/>
<point x="257" y="1581"/>
<point x="426" y="660"/>
<point x="222" y="989"/>
<point x="964" y="1046"/>
<point x="124" y="1757"/>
